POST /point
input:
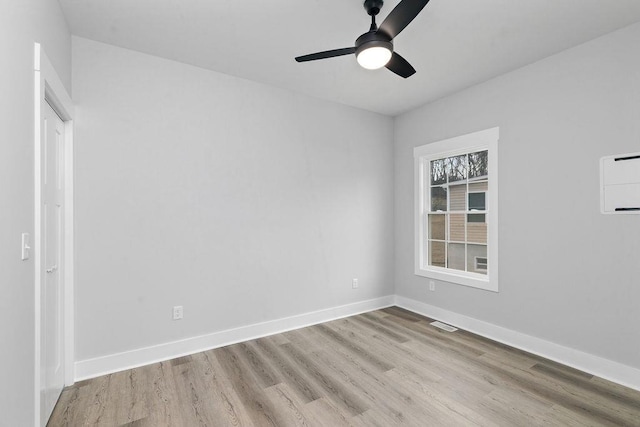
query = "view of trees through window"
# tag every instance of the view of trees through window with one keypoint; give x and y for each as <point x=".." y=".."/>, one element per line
<point x="457" y="204"/>
<point x="457" y="168"/>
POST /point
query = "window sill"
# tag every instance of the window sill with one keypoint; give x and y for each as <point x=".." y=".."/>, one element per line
<point x="472" y="280"/>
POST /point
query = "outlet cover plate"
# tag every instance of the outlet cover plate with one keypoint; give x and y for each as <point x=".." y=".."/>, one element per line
<point x="178" y="312"/>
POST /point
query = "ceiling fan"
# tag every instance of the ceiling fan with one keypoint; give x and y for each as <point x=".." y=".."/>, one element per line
<point x="374" y="49"/>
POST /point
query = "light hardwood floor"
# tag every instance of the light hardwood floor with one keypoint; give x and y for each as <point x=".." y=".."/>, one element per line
<point x="383" y="368"/>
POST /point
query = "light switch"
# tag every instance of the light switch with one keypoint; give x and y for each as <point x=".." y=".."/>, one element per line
<point x="26" y="246"/>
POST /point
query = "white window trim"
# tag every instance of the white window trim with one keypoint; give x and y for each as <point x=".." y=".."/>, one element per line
<point x="477" y="141"/>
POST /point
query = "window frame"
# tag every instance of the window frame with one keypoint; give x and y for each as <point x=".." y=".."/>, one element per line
<point x="423" y="155"/>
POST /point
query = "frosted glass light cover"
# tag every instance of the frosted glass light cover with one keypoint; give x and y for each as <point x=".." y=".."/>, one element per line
<point x="374" y="57"/>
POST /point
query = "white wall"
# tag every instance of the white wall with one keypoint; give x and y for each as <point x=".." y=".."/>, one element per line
<point x="22" y="23"/>
<point x="567" y="273"/>
<point x="242" y="202"/>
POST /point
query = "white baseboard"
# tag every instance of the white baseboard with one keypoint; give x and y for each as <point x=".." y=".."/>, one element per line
<point x="91" y="368"/>
<point x="604" y="368"/>
<point x="595" y="365"/>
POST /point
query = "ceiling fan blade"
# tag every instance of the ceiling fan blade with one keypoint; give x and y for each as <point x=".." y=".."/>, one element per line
<point x="401" y="16"/>
<point x="326" y="54"/>
<point x="400" y="66"/>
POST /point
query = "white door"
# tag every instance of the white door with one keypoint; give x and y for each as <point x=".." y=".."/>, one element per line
<point x="52" y="309"/>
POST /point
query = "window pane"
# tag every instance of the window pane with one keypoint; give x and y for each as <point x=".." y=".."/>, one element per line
<point x="457" y="227"/>
<point x="476" y="254"/>
<point x="478" y="186"/>
<point x="437" y="227"/>
<point x="476" y="218"/>
<point x="437" y="172"/>
<point x="477" y="201"/>
<point x="438" y="199"/>
<point x="478" y="164"/>
<point x="436" y="253"/>
<point x="458" y="196"/>
<point x="456" y="168"/>
<point x="455" y="256"/>
<point x="477" y="231"/>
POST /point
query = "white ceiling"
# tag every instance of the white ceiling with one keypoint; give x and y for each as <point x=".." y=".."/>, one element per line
<point x="452" y="44"/>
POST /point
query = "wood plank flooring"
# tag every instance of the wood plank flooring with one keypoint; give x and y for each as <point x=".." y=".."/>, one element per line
<point x="384" y="368"/>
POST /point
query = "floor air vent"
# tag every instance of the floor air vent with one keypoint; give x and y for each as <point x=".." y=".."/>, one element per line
<point x="444" y="326"/>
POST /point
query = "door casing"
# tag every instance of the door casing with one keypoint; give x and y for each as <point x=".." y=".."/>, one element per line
<point x="48" y="88"/>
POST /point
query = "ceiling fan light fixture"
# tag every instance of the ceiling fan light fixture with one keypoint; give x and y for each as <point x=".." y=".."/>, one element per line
<point x="374" y="49"/>
<point x="374" y="57"/>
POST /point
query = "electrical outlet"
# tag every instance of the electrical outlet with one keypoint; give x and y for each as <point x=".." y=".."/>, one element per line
<point x="354" y="283"/>
<point x="432" y="285"/>
<point x="177" y="312"/>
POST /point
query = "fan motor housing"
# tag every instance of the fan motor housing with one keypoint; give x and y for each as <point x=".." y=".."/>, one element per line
<point x="373" y="6"/>
<point x="373" y="39"/>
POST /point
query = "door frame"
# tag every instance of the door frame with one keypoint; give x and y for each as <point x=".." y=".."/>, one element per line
<point x="49" y="88"/>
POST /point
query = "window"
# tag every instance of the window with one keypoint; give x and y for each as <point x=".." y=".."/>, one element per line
<point x="456" y="210"/>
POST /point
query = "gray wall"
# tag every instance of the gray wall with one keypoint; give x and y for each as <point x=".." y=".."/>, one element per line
<point x="242" y="202"/>
<point x="567" y="273"/>
<point x="21" y="24"/>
